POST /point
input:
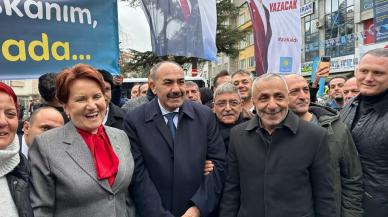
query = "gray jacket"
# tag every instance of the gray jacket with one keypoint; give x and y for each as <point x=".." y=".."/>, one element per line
<point x="134" y="103"/>
<point x="348" y="184"/>
<point x="64" y="181"/>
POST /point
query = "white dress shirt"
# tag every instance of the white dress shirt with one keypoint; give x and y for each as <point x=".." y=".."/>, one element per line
<point x="164" y="112"/>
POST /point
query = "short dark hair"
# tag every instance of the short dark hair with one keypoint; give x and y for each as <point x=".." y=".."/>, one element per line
<point x="242" y="72"/>
<point x="107" y="76"/>
<point x="46" y="86"/>
<point x="67" y="77"/>
<point x="335" y="77"/>
<point x="222" y="73"/>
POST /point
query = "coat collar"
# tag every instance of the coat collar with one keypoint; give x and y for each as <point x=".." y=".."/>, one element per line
<point x="115" y="113"/>
<point x="153" y="113"/>
<point x="152" y="109"/>
<point x="291" y="122"/>
<point x="80" y="153"/>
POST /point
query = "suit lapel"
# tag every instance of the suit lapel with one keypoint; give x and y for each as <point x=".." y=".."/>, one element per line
<point x="122" y="169"/>
<point x="163" y="129"/>
<point x="80" y="153"/>
<point x="156" y="116"/>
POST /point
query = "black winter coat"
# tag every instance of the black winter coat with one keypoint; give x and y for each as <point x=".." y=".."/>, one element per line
<point x="370" y="134"/>
<point x="286" y="174"/>
<point x="18" y="182"/>
<point x="115" y="117"/>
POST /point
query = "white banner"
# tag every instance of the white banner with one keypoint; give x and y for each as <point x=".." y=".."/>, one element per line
<point x="277" y="33"/>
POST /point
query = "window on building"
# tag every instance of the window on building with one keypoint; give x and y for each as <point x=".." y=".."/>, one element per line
<point x="242" y="44"/>
<point x="241" y="19"/>
<point x="242" y="64"/>
<point x="339" y="25"/>
<point x="250" y="36"/>
<point x="311" y="36"/>
<point x="251" y="62"/>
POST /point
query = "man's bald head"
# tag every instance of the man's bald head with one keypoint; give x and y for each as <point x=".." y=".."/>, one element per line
<point x="269" y="77"/>
<point x="170" y="64"/>
<point x="298" y="94"/>
<point x="41" y="120"/>
<point x="270" y="97"/>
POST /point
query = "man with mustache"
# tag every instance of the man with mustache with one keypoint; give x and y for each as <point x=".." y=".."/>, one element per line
<point x="228" y="110"/>
<point x="344" y="158"/>
<point x="171" y="138"/>
<point x="367" y="117"/>
<point x="278" y="164"/>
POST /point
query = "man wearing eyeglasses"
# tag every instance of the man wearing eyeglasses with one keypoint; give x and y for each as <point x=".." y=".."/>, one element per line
<point x="227" y="107"/>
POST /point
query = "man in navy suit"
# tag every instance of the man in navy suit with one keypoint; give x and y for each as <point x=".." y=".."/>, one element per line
<point x="171" y="138"/>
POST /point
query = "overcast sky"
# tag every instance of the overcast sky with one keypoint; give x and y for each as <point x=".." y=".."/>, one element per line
<point x="134" y="31"/>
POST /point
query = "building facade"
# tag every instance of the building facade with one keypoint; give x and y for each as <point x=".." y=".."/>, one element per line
<point x="341" y="29"/>
<point x="246" y="57"/>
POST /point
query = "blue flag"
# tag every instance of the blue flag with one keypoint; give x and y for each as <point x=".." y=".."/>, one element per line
<point x="47" y="36"/>
<point x="182" y="27"/>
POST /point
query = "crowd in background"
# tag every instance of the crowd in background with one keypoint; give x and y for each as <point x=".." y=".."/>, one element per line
<point x="248" y="146"/>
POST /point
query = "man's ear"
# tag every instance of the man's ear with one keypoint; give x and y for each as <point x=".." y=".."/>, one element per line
<point x="26" y="127"/>
<point x="152" y="86"/>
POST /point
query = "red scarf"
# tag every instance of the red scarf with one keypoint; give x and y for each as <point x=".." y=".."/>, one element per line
<point x="105" y="158"/>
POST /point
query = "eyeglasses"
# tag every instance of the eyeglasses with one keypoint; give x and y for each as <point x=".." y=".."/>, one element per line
<point x="223" y="103"/>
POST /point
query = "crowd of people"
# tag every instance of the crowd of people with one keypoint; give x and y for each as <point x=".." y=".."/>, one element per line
<point x="263" y="146"/>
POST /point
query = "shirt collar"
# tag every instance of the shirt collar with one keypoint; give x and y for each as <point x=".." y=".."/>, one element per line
<point x="291" y="122"/>
<point x="165" y="111"/>
<point x="106" y="115"/>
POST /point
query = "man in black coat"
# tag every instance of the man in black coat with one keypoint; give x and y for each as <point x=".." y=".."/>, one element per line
<point x="367" y="117"/>
<point x="228" y="109"/>
<point x="171" y="138"/>
<point x="278" y="164"/>
<point x="115" y="115"/>
<point x="348" y="184"/>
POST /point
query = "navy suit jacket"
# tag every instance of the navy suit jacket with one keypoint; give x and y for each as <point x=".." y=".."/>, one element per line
<point x="168" y="177"/>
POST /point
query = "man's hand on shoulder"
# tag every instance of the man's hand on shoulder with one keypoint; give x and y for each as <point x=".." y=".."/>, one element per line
<point x="192" y="212"/>
<point x="208" y="168"/>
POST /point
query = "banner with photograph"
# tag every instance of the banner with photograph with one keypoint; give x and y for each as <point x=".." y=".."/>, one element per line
<point x="182" y="27"/>
<point x="47" y="36"/>
<point x="277" y="35"/>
